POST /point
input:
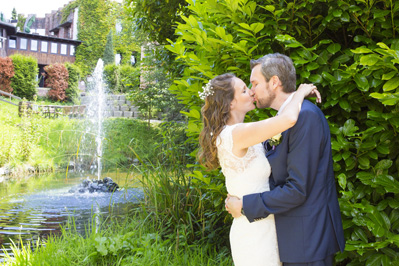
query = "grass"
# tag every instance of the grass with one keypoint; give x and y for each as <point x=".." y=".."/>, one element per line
<point x="129" y="241"/>
<point x="32" y="140"/>
<point x="51" y="144"/>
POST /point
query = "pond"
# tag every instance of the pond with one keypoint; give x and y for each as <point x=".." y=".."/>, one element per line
<point x="34" y="207"/>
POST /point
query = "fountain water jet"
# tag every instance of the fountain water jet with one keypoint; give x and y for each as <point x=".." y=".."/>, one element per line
<point x="95" y="114"/>
<point x="92" y="139"/>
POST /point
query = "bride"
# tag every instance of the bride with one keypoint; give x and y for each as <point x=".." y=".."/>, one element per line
<point x="237" y="147"/>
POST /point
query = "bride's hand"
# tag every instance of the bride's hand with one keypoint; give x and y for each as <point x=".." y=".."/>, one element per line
<point x="310" y="90"/>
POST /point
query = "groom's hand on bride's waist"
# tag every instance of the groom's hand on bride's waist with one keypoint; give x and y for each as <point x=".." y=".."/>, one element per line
<point x="233" y="205"/>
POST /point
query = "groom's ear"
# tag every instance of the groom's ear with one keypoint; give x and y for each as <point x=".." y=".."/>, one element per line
<point x="274" y="82"/>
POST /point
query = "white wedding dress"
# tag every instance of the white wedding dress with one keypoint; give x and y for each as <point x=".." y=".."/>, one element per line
<point x="253" y="244"/>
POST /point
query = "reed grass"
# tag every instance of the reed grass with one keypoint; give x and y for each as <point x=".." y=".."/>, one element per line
<point x="129" y="241"/>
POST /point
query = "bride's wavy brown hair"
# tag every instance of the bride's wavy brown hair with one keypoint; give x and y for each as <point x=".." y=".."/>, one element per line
<point x="215" y="114"/>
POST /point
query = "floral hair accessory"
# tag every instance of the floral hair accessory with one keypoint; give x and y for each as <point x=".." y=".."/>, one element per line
<point x="206" y="91"/>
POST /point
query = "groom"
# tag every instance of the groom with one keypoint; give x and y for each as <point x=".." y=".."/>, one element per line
<point x="303" y="195"/>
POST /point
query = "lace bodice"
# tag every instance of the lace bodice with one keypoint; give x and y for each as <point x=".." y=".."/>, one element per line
<point x="244" y="175"/>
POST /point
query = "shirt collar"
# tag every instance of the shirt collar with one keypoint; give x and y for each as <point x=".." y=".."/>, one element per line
<point x="285" y="103"/>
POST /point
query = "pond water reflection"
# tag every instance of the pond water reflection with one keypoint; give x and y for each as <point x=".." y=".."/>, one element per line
<point x="38" y="206"/>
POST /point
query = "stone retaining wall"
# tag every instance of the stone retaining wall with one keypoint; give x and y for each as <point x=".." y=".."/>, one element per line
<point x="117" y="105"/>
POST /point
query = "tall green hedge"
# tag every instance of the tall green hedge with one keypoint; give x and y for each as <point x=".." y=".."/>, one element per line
<point x="74" y="73"/>
<point x="350" y="50"/>
<point x="24" y="81"/>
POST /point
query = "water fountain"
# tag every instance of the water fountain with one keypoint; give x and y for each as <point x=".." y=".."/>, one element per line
<point x="96" y="111"/>
<point x="30" y="215"/>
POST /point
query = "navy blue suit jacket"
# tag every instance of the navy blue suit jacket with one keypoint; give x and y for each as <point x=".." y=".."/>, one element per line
<point x="303" y="195"/>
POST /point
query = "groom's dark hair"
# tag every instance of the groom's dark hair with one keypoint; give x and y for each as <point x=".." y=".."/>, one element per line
<point x="278" y="65"/>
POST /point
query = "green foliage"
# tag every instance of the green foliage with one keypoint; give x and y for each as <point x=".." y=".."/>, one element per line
<point x="6" y="73"/>
<point x="123" y="136"/>
<point x="112" y="77"/>
<point x="172" y="146"/>
<point x="126" y="39"/>
<point x="129" y="78"/>
<point x="128" y="140"/>
<point x="53" y="143"/>
<point x="66" y="11"/>
<point x="14" y="14"/>
<point x="133" y="240"/>
<point x="157" y="19"/>
<point x="153" y="95"/>
<point x="33" y="140"/>
<point x="74" y="75"/>
<point x="96" y="19"/>
<point x="24" y="80"/>
<point x="121" y="78"/>
<point x="109" y="55"/>
<point x="21" y="21"/>
<point x="349" y="49"/>
<point x="57" y="80"/>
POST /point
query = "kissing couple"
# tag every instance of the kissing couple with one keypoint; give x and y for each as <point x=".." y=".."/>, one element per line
<point x="278" y="171"/>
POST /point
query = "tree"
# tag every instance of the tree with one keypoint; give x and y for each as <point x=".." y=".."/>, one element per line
<point x="21" y="21"/>
<point x="96" y="19"/>
<point x="109" y="56"/>
<point x="57" y="80"/>
<point x="6" y="73"/>
<point x="24" y="80"/>
<point x="153" y="95"/>
<point x="14" y="14"/>
<point x="158" y="19"/>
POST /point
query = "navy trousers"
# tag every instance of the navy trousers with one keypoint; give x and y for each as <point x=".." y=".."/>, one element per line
<point x="329" y="261"/>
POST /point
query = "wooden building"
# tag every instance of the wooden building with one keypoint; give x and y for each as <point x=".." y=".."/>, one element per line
<point x="56" y="46"/>
<point x="6" y="29"/>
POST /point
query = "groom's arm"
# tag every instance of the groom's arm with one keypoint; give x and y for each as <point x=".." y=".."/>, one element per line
<point x="305" y="147"/>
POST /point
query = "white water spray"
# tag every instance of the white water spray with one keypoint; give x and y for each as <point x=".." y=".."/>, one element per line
<point x="96" y="109"/>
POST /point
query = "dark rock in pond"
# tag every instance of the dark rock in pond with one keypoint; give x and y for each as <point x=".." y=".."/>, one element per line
<point x="105" y="185"/>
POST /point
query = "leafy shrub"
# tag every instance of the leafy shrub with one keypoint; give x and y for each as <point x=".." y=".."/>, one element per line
<point x="121" y="78"/>
<point x="130" y="78"/>
<point x="74" y="75"/>
<point x="57" y="80"/>
<point x="349" y="49"/>
<point x="6" y="73"/>
<point x="24" y="80"/>
<point x="112" y="77"/>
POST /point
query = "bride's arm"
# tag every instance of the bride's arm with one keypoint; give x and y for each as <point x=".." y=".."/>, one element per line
<point x="249" y="134"/>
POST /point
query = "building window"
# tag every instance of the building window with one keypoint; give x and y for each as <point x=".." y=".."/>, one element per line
<point x="72" y="50"/>
<point x="54" y="47"/>
<point x="44" y="47"/>
<point x="64" y="49"/>
<point x="33" y="45"/>
<point x="23" y="44"/>
<point x="12" y="43"/>
<point x="1" y="38"/>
